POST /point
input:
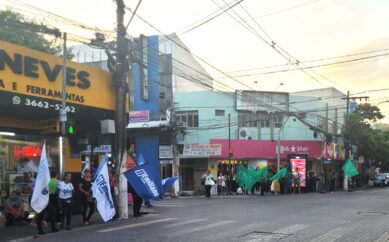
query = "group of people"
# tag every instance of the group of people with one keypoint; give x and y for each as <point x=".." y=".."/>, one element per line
<point x="61" y="199"/>
<point x="287" y="184"/>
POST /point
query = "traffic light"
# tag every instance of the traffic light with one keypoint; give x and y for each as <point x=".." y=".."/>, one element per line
<point x="231" y="153"/>
<point x="71" y="129"/>
<point x="71" y="126"/>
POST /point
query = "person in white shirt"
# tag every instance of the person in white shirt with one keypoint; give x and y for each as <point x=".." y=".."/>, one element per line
<point x="66" y="190"/>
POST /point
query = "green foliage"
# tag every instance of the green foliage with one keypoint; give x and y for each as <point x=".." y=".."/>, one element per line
<point x="373" y="144"/>
<point x="17" y="29"/>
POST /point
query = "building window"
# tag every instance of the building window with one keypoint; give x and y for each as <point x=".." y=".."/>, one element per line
<point x="188" y="119"/>
<point x="278" y="120"/>
<point x="263" y="118"/>
<point x="219" y="112"/>
<point x="321" y="123"/>
<point x="247" y="119"/>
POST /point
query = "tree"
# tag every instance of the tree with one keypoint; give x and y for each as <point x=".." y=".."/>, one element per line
<point x="371" y="143"/>
<point x="17" y="29"/>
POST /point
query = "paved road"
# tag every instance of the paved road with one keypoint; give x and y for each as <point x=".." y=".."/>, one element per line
<point x="341" y="216"/>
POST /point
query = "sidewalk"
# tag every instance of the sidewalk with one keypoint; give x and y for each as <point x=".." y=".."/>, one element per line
<point x="26" y="232"/>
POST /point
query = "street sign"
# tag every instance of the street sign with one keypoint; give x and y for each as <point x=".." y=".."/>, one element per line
<point x="62" y="115"/>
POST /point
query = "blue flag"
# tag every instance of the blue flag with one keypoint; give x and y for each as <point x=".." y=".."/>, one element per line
<point x="168" y="182"/>
<point x="141" y="160"/>
<point x="146" y="182"/>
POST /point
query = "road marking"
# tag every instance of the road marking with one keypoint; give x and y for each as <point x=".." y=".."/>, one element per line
<point x="292" y="229"/>
<point x="183" y="223"/>
<point x="199" y="228"/>
<point x="332" y="235"/>
<point x="383" y="238"/>
<point x="136" y="225"/>
<point x="171" y="205"/>
<point x="22" y="239"/>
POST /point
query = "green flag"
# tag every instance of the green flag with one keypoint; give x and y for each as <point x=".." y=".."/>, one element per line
<point x="281" y="173"/>
<point x="241" y="174"/>
<point x="349" y="169"/>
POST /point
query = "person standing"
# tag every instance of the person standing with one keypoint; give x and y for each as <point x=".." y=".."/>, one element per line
<point x="209" y="182"/>
<point x="289" y="181"/>
<point x="296" y="181"/>
<point x="87" y="200"/>
<point x="66" y="190"/>
<point x="137" y="201"/>
<point x="53" y="207"/>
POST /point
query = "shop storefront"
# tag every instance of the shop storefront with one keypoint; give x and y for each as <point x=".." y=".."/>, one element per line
<point x="30" y="100"/>
<point x="260" y="153"/>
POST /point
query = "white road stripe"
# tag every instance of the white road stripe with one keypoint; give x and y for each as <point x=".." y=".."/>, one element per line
<point x="183" y="223"/>
<point x="383" y="238"/>
<point x="136" y="225"/>
<point x="292" y="229"/>
<point x="199" y="228"/>
<point x="332" y="235"/>
<point x="170" y="205"/>
<point x="22" y="239"/>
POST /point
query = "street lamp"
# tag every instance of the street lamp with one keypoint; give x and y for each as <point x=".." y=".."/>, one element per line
<point x="278" y="144"/>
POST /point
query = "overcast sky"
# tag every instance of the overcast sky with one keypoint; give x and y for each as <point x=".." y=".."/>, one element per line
<point x="301" y="31"/>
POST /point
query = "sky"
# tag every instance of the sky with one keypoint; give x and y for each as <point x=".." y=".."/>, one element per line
<point x="281" y="33"/>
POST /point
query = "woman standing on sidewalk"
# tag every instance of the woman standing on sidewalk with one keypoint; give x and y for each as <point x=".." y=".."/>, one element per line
<point x="87" y="199"/>
<point x="209" y="182"/>
<point x="66" y="199"/>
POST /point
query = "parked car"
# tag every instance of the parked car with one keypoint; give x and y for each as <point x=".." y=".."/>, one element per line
<point x="380" y="180"/>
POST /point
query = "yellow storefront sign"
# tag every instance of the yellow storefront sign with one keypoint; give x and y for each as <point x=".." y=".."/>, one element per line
<point x="33" y="73"/>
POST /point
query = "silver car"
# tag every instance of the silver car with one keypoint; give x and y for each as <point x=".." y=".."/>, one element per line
<point x="380" y="180"/>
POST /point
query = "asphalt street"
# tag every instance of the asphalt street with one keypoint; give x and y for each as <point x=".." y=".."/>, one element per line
<point x="340" y="216"/>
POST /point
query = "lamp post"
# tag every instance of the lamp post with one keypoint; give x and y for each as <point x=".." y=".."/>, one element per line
<point x="278" y="144"/>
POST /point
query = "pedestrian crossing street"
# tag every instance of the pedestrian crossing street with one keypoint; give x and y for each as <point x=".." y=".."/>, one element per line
<point x="230" y="230"/>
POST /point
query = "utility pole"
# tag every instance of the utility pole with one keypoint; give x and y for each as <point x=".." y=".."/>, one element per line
<point x="229" y="154"/>
<point x="347" y="133"/>
<point x="119" y="77"/>
<point x="62" y="110"/>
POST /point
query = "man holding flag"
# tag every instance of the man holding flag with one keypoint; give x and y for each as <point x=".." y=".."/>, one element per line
<point x="102" y="192"/>
<point x="40" y="194"/>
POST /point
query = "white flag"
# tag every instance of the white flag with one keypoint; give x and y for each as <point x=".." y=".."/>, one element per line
<point x="102" y="192"/>
<point x="40" y="194"/>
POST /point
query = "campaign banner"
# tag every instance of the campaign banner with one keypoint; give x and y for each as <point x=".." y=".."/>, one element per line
<point x="101" y="190"/>
<point x="146" y="182"/>
<point x="40" y="194"/>
<point x="168" y="182"/>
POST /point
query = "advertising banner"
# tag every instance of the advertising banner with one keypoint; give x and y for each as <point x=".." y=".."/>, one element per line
<point x="299" y="163"/>
<point x="202" y="150"/>
<point x="139" y="116"/>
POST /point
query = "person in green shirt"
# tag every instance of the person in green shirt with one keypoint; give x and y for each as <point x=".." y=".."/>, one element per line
<point x="53" y="208"/>
<point x="288" y="181"/>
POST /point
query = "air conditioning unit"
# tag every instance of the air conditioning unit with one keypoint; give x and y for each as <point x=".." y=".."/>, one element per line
<point x="245" y="133"/>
